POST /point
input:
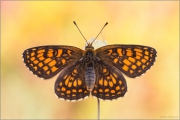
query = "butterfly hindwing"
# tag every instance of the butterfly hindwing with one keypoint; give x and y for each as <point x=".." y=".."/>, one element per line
<point x="110" y="83"/>
<point x="132" y="60"/>
<point x="70" y="84"/>
<point x="47" y="61"/>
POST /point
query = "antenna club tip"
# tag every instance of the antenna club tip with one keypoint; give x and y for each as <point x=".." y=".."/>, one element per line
<point x="106" y="23"/>
<point x="74" y="22"/>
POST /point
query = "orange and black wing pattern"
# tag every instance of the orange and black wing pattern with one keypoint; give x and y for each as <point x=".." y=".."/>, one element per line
<point x="132" y="60"/>
<point x="70" y="84"/>
<point x="47" y="61"/>
<point x="110" y="83"/>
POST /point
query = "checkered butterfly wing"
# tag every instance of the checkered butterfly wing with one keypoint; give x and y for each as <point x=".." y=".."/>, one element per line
<point x="70" y="84"/>
<point x="47" y="61"/>
<point x="132" y="60"/>
<point x="110" y="83"/>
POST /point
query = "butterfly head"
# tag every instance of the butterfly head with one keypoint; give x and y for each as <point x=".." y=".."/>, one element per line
<point x="89" y="46"/>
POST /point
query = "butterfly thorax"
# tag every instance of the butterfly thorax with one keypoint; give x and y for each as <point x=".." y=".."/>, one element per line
<point x="88" y="60"/>
<point x="89" y="54"/>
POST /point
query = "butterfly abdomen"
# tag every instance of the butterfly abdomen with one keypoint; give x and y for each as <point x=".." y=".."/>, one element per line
<point x="90" y="78"/>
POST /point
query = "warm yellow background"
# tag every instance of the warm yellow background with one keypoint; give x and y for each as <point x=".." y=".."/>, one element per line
<point x="155" y="95"/>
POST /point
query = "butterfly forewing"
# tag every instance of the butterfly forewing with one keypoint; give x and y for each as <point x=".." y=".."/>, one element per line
<point x="132" y="60"/>
<point x="47" y="61"/>
<point x="70" y="84"/>
<point x="110" y="83"/>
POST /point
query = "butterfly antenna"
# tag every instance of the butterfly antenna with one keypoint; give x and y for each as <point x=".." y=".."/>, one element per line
<point x="100" y="32"/>
<point x="80" y="31"/>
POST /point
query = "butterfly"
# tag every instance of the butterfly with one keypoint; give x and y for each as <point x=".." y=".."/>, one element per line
<point x="83" y="72"/>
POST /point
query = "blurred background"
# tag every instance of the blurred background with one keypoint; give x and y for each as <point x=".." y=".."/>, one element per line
<point x="154" y="95"/>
